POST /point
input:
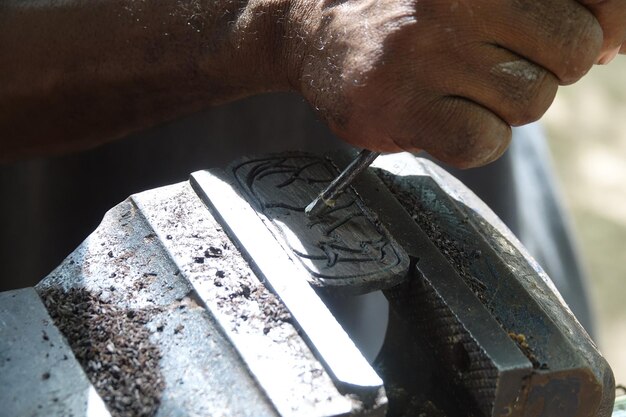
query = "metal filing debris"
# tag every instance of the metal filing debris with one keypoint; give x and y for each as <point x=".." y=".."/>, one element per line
<point x="39" y="375"/>
<point x="221" y="294"/>
<point x="228" y="345"/>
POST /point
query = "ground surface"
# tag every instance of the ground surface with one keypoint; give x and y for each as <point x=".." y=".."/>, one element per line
<point x="587" y="134"/>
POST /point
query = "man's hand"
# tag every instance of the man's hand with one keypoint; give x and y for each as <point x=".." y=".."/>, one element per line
<point x="448" y="77"/>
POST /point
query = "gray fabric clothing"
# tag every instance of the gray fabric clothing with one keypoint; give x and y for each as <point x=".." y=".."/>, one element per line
<point x="50" y="205"/>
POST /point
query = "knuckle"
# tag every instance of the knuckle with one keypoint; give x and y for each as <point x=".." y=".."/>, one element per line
<point x="580" y="47"/>
<point x="470" y="136"/>
<point x="531" y="99"/>
<point x="525" y="91"/>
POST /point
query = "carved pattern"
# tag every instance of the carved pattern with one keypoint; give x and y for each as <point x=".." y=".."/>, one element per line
<point x="346" y="243"/>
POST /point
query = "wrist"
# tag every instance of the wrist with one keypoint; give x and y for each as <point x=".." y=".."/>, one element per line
<point x="258" y="52"/>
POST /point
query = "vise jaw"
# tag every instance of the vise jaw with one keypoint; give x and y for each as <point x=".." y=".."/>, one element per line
<point x="230" y="292"/>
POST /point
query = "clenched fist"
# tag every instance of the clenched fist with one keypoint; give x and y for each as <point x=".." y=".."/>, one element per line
<point x="447" y="76"/>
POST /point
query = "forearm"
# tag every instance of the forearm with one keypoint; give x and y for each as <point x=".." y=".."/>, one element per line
<point x="74" y="74"/>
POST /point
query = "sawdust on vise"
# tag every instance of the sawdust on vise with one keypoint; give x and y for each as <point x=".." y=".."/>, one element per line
<point x="522" y="344"/>
<point x="113" y="347"/>
<point x="460" y="255"/>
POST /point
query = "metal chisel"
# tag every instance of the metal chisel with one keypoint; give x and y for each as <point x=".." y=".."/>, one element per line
<point x="326" y="199"/>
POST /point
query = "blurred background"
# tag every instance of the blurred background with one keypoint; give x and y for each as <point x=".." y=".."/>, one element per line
<point x="586" y="127"/>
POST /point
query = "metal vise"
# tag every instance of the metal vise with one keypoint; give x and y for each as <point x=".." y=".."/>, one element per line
<point x="212" y="297"/>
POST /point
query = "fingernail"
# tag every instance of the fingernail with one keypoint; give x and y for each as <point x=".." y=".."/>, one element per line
<point x="608" y="56"/>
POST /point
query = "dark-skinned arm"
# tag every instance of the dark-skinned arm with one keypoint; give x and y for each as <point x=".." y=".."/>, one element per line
<point x="447" y="76"/>
<point x="74" y="74"/>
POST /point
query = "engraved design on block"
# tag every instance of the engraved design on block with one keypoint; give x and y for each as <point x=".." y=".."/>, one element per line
<point x="346" y="245"/>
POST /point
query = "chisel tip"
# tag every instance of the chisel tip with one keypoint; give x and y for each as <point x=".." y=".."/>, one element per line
<point x="316" y="207"/>
<point x="328" y="196"/>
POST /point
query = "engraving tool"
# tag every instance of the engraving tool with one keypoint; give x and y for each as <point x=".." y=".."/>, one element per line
<point x="326" y="199"/>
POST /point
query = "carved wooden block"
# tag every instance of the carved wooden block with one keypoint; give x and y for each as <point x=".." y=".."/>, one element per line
<point x="346" y="246"/>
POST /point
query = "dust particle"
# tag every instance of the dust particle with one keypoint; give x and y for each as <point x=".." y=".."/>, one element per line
<point x="113" y="347"/>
